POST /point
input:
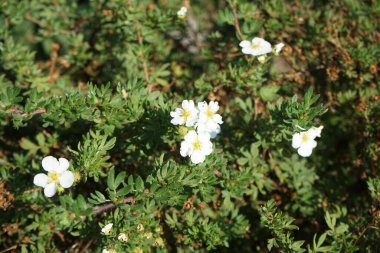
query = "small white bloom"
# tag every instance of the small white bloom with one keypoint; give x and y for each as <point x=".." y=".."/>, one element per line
<point x="140" y="227"/>
<point x="122" y="237"/>
<point x="196" y="146"/>
<point x="187" y="115"/>
<point x="262" y="59"/>
<point x="107" y="229"/>
<point x="278" y="47"/>
<point x="108" y="251"/>
<point x="257" y="47"/>
<point x="148" y="235"/>
<point x="209" y="121"/>
<point x="316" y="131"/>
<point x="57" y="175"/>
<point x="304" y="141"/>
<point x="182" y="13"/>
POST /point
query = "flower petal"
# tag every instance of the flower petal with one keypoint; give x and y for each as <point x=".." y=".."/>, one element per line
<point x="197" y="157"/>
<point x="296" y="140"/>
<point x="247" y="50"/>
<point x="66" y="179"/>
<point x="50" y="190"/>
<point x="40" y="180"/>
<point x="191" y="136"/>
<point x="245" y="43"/>
<point x="63" y="165"/>
<point x="305" y="151"/>
<point x="185" y="148"/>
<point x="50" y="163"/>
<point x="214" y="106"/>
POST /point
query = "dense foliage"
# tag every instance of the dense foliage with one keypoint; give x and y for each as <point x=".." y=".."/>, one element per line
<point x="95" y="82"/>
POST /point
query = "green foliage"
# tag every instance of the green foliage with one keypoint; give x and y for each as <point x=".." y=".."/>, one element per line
<point x="95" y="82"/>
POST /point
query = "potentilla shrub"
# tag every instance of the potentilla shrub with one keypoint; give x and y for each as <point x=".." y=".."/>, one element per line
<point x="189" y="126"/>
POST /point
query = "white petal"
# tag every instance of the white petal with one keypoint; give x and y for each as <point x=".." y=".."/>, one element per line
<point x="257" y="40"/>
<point x="66" y="179"/>
<point x="197" y="157"/>
<point x="305" y="151"/>
<point x="315" y="132"/>
<point x="185" y="149"/>
<point x="214" y="106"/>
<point x="217" y="118"/>
<point x="309" y="144"/>
<point x="50" y="190"/>
<point x="207" y="148"/>
<point x="202" y="106"/>
<point x="247" y="50"/>
<point x="185" y="104"/>
<point x="63" y="165"/>
<point x="215" y="132"/>
<point x="278" y="47"/>
<point x="204" y="137"/>
<point x="177" y="121"/>
<point x="296" y="140"/>
<point x="50" y="163"/>
<point x="191" y="136"/>
<point x="40" y="180"/>
<point x="245" y="43"/>
<point x="175" y="113"/>
<point x="192" y="120"/>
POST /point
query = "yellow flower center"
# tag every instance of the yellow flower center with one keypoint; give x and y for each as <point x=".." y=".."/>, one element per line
<point x="255" y="46"/>
<point x="305" y="138"/>
<point x="209" y="113"/>
<point x="197" y="145"/>
<point x="53" y="177"/>
<point x="185" y="114"/>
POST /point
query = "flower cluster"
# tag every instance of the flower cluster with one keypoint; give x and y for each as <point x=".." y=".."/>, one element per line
<point x="182" y="13"/>
<point x="57" y="175"/>
<point x="304" y="141"/>
<point x="204" y="122"/>
<point x="260" y="47"/>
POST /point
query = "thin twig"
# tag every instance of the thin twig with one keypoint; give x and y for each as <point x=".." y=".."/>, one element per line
<point x="18" y="111"/>
<point x="140" y="40"/>
<point x="236" y="20"/>
<point x="88" y="244"/>
<point x="9" y="249"/>
<point x="105" y="207"/>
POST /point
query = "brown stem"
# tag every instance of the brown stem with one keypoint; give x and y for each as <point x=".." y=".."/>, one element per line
<point x="9" y="249"/>
<point x="18" y="111"/>
<point x="140" y="40"/>
<point x="88" y="244"/>
<point x="105" y="207"/>
<point x="236" y="20"/>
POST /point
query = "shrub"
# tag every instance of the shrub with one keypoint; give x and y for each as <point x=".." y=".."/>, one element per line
<point x="98" y="83"/>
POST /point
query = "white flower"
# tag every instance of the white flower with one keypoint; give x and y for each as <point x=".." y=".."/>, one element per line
<point x="197" y="146"/>
<point x="304" y="141"/>
<point x="57" y="175"/>
<point x="316" y="131"/>
<point x="257" y="47"/>
<point x="140" y="227"/>
<point x="209" y="120"/>
<point x="278" y="47"/>
<point x="122" y="237"/>
<point x="182" y="13"/>
<point x="148" y="235"/>
<point x="108" y="251"/>
<point x="187" y="115"/>
<point x="262" y="59"/>
<point x="107" y="229"/>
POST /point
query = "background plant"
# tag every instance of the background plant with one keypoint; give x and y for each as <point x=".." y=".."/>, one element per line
<point x="95" y="81"/>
